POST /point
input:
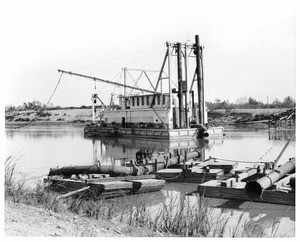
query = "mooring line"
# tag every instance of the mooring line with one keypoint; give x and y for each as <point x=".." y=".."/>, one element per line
<point x="167" y="177"/>
<point x="35" y="177"/>
<point x="234" y="160"/>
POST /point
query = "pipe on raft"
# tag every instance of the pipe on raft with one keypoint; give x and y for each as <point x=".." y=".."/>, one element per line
<point x="122" y="170"/>
<point x="254" y="189"/>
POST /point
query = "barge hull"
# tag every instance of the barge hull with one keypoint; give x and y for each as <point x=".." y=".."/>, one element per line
<point x="164" y="134"/>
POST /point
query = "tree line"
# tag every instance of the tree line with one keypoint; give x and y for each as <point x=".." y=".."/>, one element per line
<point x="245" y="103"/>
<point x="38" y="106"/>
<point x="241" y="103"/>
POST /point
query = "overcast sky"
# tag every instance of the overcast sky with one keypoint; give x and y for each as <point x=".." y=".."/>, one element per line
<point x="249" y="45"/>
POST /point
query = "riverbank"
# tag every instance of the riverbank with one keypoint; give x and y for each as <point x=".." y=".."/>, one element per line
<point x="221" y="117"/>
<point x="30" y="221"/>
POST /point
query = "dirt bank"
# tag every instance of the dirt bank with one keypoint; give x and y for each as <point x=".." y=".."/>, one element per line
<point x="26" y="220"/>
<point x="82" y="116"/>
<point x="60" y="115"/>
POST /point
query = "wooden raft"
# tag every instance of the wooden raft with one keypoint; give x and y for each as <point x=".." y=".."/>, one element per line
<point x="221" y="189"/>
<point x="198" y="174"/>
<point x="106" y="188"/>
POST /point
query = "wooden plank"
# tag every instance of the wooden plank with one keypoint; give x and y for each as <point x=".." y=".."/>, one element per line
<point x="144" y="186"/>
<point x="148" y="183"/>
<point x="222" y="165"/>
<point x="63" y="186"/>
<point x="116" y="185"/>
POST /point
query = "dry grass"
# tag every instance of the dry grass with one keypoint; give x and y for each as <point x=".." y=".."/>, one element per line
<point x="135" y="218"/>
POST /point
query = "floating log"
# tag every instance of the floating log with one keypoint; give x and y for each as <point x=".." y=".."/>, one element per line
<point x="254" y="189"/>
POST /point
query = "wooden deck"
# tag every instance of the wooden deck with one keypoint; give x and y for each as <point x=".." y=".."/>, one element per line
<point x="222" y="189"/>
<point x="106" y="187"/>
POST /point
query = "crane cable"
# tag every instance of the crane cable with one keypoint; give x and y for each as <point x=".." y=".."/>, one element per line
<point x="43" y="108"/>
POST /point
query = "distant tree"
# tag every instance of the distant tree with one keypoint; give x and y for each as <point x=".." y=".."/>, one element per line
<point x="288" y="102"/>
<point x="10" y="108"/>
<point x="241" y="101"/>
<point x="252" y="101"/>
<point x="276" y="103"/>
<point x="25" y="107"/>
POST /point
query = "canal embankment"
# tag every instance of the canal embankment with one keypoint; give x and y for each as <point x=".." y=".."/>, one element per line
<point x="81" y="116"/>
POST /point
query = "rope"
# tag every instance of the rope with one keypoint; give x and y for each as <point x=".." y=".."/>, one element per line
<point x="35" y="177"/>
<point x="42" y="109"/>
<point x="241" y="161"/>
<point x="268" y="151"/>
<point x="265" y="153"/>
<point x="54" y="90"/>
<point x="168" y="178"/>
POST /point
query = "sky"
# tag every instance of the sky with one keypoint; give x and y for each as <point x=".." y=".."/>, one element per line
<point x="250" y="46"/>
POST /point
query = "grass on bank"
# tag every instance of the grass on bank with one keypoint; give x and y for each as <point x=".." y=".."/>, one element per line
<point x="175" y="218"/>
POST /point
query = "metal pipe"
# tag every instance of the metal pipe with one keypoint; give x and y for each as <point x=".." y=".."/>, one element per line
<point x="198" y="71"/>
<point x="180" y="92"/>
<point x="202" y="88"/>
<point x="254" y="189"/>
<point x="121" y="170"/>
<point x="187" y="125"/>
<point x="125" y="83"/>
<point x="171" y="118"/>
<point x="93" y="107"/>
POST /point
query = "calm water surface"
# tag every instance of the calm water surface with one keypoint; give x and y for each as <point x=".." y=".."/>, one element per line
<point x="43" y="147"/>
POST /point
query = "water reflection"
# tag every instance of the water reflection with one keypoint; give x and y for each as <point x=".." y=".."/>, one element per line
<point x="40" y="132"/>
<point x="108" y="150"/>
<point x="281" y="134"/>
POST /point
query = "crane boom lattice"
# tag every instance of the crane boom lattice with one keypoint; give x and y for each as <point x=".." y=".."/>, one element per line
<point x="106" y="81"/>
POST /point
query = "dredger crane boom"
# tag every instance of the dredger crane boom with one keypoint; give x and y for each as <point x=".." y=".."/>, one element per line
<point x="106" y="81"/>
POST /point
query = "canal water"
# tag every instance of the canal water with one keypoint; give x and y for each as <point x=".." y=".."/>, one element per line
<point x="39" y="148"/>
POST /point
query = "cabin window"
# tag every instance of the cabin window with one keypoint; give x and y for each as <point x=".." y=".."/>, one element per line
<point x="158" y="100"/>
<point x="153" y="100"/>
<point x="147" y="100"/>
<point x="138" y="101"/>
<point x="133" y="101"/>
<point x="143" y="102"/>
<point x="164" y="99"/>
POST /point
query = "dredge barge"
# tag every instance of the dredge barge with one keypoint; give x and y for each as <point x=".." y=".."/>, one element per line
<point x="171" y="108"/>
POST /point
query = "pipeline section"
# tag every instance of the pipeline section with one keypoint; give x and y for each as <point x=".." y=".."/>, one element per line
<point x="135" y="170"/>
<point x="254" y="189"/>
